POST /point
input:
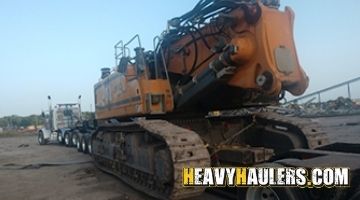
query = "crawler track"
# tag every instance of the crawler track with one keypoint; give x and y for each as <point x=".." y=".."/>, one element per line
<point x="265" y="129"/>
<point x="186" y="147"/>
<point x="311" y="133"/>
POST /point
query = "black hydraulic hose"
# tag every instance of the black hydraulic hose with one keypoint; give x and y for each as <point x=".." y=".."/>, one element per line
<point x="198" y="7"/>
<point x="213" y="8"/>
<point x="204" y="8"/>
<point x="202" y="37"/>
<point x="204" y="61"/>
<point x="196" y="50"/>
<point x="196" y="39"/>
<point x="218" y="12"/>
<point x="186" y="30"/>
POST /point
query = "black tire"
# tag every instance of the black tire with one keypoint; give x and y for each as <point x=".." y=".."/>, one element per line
<point x="277" y="193"/>
<point x="59" y="138"/>
<point x="67" y="139"/>
<point x="41" y="139"/>
<point x="74" y="139"/>
<point x="84" y="145"/>
<point x="78" y="144"/>
<point x="356" y="195"/>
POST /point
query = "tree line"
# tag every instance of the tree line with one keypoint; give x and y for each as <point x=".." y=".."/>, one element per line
<point x="16" y="122"/>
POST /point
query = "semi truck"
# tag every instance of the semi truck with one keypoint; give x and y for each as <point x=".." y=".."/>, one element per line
<point x="63" y="124"/>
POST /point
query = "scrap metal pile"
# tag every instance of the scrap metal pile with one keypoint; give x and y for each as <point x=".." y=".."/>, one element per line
<point x="340" y="106"/>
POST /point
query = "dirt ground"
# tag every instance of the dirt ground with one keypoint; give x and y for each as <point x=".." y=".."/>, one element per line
<point x="341" y="129"/>
<point x="79" y="179"/>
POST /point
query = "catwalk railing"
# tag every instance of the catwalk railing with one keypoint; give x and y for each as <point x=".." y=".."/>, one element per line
<point x="318" y="94"/>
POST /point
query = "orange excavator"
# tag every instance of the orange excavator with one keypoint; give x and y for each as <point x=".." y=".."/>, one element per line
<point x="161" y="110"/>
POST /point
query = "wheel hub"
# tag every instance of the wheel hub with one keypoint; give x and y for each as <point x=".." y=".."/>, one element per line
<point x="89" y="148"/>
<point x="261" y="194"/>
<point x="83" y="145"/>
<point x="67" y="139"/>
<point x="74" y="140"/>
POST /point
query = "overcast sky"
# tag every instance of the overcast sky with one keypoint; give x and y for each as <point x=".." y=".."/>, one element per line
<point x="58" y="47"/>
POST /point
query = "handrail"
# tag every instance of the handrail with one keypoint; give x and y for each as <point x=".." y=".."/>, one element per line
<point x="132" y="39"/>
<point x="327" y="89"/>
<point x="155" y="58"/>
<point x="118" y="46"/>
<point x="161" y="51"/>
<point x="121" y="49"/>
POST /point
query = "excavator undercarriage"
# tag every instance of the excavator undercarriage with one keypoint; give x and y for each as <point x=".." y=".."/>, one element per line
<point x="150" y="154"/>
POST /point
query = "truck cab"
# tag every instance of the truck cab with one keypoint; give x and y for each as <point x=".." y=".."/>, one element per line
<point x="58" y="122"/>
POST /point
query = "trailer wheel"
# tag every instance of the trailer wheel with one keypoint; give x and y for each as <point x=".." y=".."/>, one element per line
<point x="89" y="146"/>
<point x="274" y="193"/>
<point x="67" y="139"/>
<point x="78" y="144"/>
<point x="83" y="145"/>
<point x="59" y="138"/>
<point x="74" y="139"/>
<point x="41" y="139"/>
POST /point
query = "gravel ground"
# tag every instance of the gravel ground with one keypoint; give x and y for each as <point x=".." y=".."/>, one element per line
<point x="342" y="129"/>
<point x="73" y="181"/>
